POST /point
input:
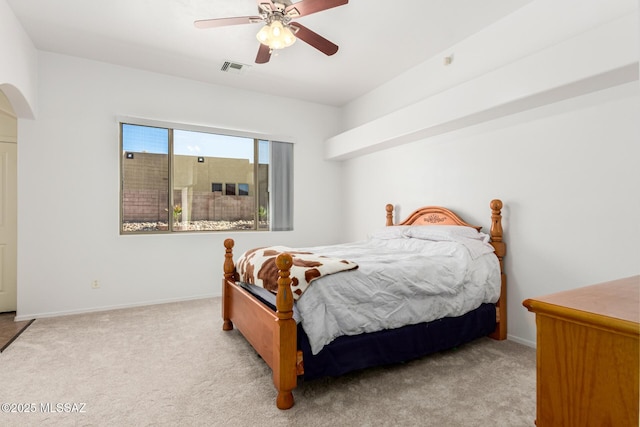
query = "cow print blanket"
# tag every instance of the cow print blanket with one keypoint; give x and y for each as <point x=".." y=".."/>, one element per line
<point x="258" y="267"/>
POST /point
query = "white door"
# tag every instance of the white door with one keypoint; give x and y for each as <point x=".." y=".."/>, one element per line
<point x="8" y="209"/>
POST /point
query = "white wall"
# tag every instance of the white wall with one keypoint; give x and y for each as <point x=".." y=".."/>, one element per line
<point x="69" y="187"/>
<point x="567" y="174"/>
<point x="565" y="168"/>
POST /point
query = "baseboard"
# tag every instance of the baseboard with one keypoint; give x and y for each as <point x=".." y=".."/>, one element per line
<point x="21" y="316"/>
<point x="522" y="341"/>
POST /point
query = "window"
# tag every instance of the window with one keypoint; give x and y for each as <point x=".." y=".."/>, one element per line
<point x="185" y="180"/>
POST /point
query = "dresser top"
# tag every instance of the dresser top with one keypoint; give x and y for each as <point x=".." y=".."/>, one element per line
<point x="617" y="300"/>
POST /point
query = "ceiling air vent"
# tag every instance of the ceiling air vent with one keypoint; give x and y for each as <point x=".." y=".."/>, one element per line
<point x="234" y="67"/>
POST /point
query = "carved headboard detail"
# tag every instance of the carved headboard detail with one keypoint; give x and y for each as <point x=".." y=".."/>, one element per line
<point x="430" y="215"/>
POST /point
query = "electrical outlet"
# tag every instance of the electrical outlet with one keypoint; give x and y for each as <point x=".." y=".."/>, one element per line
<point x="95" y="284"/>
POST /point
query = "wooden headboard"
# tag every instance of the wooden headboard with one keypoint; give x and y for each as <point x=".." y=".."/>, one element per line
<point x="430" y="215"/>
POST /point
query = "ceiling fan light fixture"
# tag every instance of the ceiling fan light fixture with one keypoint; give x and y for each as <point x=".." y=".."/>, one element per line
<point x="275" y="35"/>
<point x="278" y="30"/>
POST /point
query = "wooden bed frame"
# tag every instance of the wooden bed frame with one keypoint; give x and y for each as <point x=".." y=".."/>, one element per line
<point x="274" y="335"/>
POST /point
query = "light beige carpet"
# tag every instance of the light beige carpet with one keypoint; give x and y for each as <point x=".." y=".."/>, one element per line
<point x="171" y="364"/>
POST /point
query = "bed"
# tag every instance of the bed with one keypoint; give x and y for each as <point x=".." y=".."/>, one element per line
<point x="273" y="327"/>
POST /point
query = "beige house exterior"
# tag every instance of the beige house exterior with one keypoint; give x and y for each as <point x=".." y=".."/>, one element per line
<point x="205" y="188"/>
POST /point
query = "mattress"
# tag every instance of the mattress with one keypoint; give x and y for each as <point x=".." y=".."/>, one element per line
<point x="405" y="276"/>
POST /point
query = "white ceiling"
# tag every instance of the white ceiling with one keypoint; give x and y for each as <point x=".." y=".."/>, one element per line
<point x="378" y="40"/>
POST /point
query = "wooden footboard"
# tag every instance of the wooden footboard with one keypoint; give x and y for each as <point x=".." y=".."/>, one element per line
<point x="274" y="335"/>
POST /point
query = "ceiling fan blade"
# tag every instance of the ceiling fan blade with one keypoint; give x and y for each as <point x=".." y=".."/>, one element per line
<point x="223" y="22"/>
<point x="264" y="54"/>
<point x="307" y="7"/>
<point x="266" y="6"/>
<point x="314" y="39"/>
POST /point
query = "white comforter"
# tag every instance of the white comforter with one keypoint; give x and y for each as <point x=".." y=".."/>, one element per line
<point x="399" y="281"/>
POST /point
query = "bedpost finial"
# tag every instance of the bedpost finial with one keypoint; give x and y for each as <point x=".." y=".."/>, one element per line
<point x="228" y="267"/>
<point x="228" y="243"/>
<point x="284" y="299"/>
<point x="284" y="261"/>
<point x="389" y="209"/>
<point x="496" y="227"/>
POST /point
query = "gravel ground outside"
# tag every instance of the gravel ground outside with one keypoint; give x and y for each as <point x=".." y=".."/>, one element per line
<point x="136" y="227"/>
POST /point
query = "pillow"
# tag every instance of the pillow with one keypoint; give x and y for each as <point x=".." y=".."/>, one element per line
<point x="444" y="233"/>
<point x="390" y="232"/>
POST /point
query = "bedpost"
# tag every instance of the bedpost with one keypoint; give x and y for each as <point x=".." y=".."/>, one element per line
<point x="389" y="209"/>
<point x="229" y="275"/>
<point x="285" y="338"/>
<point x="500" y="249"/>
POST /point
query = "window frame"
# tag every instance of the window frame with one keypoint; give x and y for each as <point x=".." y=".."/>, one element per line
<point x="171" y="126"/>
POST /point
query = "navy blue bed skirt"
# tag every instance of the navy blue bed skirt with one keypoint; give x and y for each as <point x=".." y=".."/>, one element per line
<point x="351" y="353"/>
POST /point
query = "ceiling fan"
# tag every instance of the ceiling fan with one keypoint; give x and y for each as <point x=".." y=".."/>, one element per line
<point x="279" y="30"/>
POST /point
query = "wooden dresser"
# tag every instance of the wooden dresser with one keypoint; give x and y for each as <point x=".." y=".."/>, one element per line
<point x="588" y="355"/>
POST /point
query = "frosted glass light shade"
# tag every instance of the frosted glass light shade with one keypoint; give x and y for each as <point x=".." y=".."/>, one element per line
<point x="276" y="36"/>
